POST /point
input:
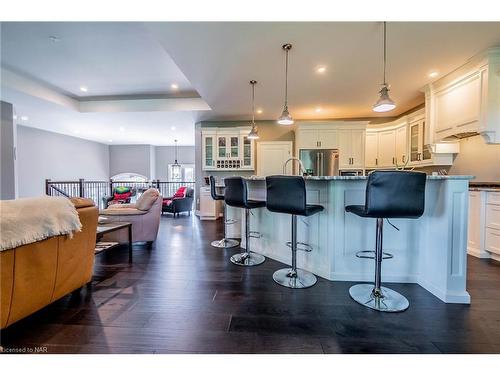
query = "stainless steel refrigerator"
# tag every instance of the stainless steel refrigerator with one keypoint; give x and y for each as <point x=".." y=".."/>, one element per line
<point x="320" y="162"/>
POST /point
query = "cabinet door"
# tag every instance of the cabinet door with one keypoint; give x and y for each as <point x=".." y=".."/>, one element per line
<point x="222" y="146"/>
<point x="308" y="138"/>
<point x="208" y="152"/>
<point x="425" y="151"/>
<point x="345" y="145"/>
<point x="414" y="142"/>
<point x="248" y="153"/>
<point x="387" y="148"/>
<point x="328" y="139"/>
<point x="371" y="150"/>
<point x="234" y="142"/>
<point x="357" y="148"/>
<point x="401" y="146"/>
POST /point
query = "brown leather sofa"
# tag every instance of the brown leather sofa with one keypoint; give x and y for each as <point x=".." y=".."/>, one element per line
<point x="33" y="276"/>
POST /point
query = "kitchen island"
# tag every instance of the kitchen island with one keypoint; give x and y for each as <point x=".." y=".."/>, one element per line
<point x="430" y="251"/>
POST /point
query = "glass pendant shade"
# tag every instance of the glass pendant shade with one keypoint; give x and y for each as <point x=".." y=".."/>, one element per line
<point x="176" y="167"/>
<point x="384" y="102"/>
<point x="254" y="133"/>
<point x="285" y="118"/>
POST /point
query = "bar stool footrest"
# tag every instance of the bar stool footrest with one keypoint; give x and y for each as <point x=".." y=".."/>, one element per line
<point x="361" y="254"/>
<point x="301" y="246"/>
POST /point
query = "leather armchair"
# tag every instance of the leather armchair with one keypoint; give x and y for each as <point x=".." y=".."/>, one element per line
<point x="176" y="205"/>
<point x="34" y="275"/>
<point x="144" y="216"/>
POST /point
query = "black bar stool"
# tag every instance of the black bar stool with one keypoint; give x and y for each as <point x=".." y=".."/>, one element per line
<point x="236" y="195"/>
<point x="287" y="194"/>
<point x="389" y="194"/>
<point x="225" y="243"/>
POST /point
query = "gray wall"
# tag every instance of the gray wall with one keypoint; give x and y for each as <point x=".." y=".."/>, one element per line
<point x="8" y="170"/>
<point x="478" y="159"/>
<point x="43" y="154"/>
<point x="131" y="158"/>
<point x="165" y="155"/>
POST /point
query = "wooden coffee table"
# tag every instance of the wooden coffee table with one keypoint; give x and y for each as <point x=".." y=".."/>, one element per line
<point x="104" y="228"/>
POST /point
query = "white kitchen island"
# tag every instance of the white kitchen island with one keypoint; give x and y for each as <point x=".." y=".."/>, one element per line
<point x="430" y="251"/>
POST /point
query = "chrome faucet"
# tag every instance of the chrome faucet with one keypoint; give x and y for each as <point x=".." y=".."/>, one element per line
<point x="301" y="166"/>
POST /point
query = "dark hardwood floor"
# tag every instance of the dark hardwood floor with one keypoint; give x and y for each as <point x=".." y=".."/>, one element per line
<point x="184" y="296"/>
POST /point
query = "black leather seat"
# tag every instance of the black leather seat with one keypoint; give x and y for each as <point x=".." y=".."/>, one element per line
<point x="225" y="243"/>
<point x="236" y="195"/>
<point x="389" y="195"/>
<point x="213" y="191"/>
<point x="287" y="195"/>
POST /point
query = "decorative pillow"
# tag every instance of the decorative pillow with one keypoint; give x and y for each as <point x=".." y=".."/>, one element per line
<point x="147" y="199"/>
<point x="123" y="196"/>
<point x="167" y="202"/>
<point x="122" y="189"/>
<point x="181" y="192"/>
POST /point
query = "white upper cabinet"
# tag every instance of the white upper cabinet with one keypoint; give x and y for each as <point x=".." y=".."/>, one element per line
<point x="387" y="148"/>
<point x="227" y="149"/>
<point x="351" y="149"/>
<point x="371" y="150"/>
<point x="402" y="145"/>
<point x="466" y="101"/>
<point x="317" y="138"/>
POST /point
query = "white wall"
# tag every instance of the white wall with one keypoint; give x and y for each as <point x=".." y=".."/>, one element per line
<point x="478" y="159"/>
<point x="131" y="158"/>
<point x="165" y="155"/>
<point x="42" y="154"/>
<point x="8" y="168"/>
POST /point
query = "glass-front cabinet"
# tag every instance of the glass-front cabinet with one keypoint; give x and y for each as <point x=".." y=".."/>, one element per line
<point x="226" y="149"/>
<point x="419" y="151"/>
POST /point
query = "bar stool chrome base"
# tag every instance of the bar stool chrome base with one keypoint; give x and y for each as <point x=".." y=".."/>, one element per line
<point x="247" y="259"/>
<point x="388" y="301"/>
<point x="298" y="279"/>
<point x="225" y="243"/>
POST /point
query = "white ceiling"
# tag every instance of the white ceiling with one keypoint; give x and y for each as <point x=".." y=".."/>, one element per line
<point x="139" y="61"/>
<point x="221" y="58"/>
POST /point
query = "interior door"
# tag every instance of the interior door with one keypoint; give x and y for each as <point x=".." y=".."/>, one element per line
<point x="271" y="156"/>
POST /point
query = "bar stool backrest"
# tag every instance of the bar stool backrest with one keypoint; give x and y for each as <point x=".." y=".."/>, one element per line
<point x="213" y="193"/>
<point x="235" y="192"/>
<point x="286" y="194"/>
<point x="395" y="194"/>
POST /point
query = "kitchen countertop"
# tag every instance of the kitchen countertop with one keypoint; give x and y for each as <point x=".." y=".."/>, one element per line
<point x="484" y="186"/>
<point x="342" y="178"/>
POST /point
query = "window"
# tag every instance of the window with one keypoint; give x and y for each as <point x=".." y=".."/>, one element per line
<point x="186" y="173"/>
<point x="129" y="177"/>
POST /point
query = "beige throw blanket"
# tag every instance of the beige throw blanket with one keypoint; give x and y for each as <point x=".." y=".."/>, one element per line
<point x="28" y="220"/>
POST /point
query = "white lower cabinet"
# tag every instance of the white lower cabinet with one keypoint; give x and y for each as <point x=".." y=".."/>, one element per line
<point x="484" y="224"/>
<point x="209" y="208"/>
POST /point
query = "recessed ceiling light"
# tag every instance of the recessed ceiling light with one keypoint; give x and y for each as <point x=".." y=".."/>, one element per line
<point x="321" y="69"/>
<point x="318" y="109"/>
<point x="259" y="111"/>
<point x="122" y="128"/>
<point x="84" y="89"/>
<point x="172" y="127"/>
<point x="24" y="118"/>
<point x="174" y="86"/>
<point x="110" y="140"/>
<point x="76" y="131"/>
<point x="433" y="74"/>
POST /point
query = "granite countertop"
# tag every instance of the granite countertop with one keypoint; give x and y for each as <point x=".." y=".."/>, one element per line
<point x="342" y="178"/>
<point x="484" y="186"/>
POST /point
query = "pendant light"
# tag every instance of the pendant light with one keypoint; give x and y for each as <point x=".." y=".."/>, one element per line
<point x="176" y="167"/>
<point x="285" y="118"/>
<point x="254" y="133"/>
<point x="384" y="102"/>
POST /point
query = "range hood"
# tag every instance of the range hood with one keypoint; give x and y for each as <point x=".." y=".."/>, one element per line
<point x="459" y="136"/>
